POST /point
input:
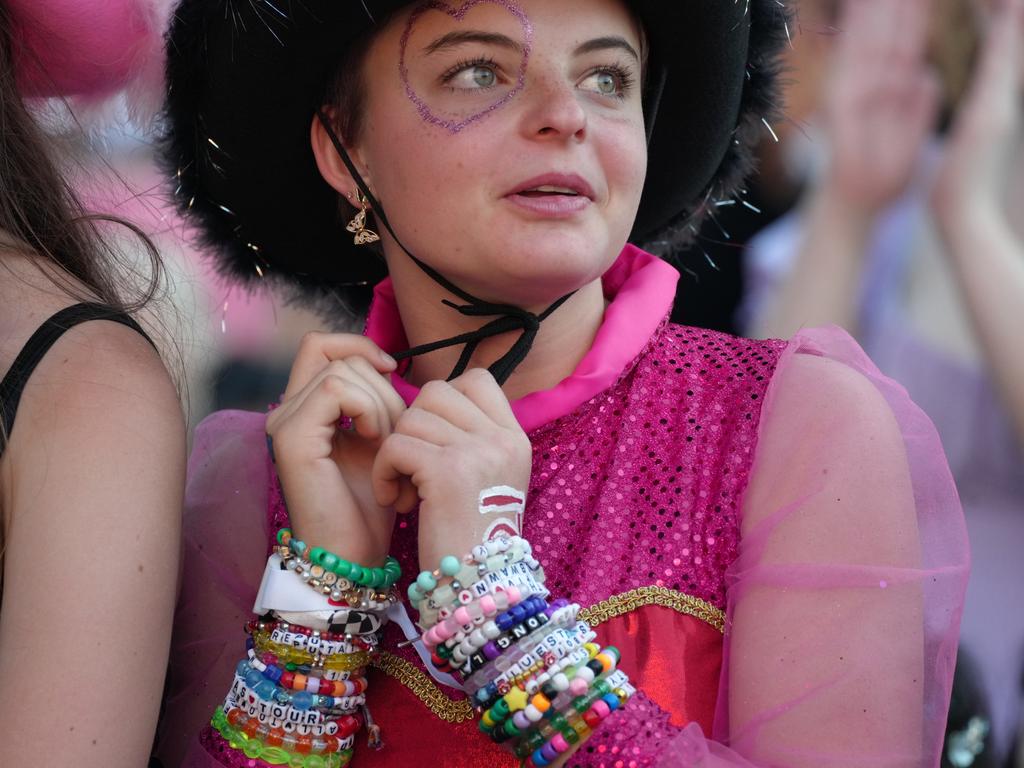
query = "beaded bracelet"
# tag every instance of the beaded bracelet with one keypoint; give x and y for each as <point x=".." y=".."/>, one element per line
<point x="277" y="747"/>
<point x="497" y="553"/>
<point x="469" y="642"/>
<point x="543" y="747"/>
<point x="529" y="708"/>
<point x="492" y="649"/>
<point x="556" y="694"/>
<point x="289" y="633"/>
<point x="269" y="665"/>
<point x="468" y="616"/>
<point x="306" y="642"/>
<point x="312" y="644"/>
<point x="494" y="554"/>
<point x="546" y="645"/>
<point x="299" y="681"/>
<point x="273" y="703"/>
<point x="558" y="722"/>
<point x="301" y="723"/>
<point x="561" y="618"/>
<point x="309" y="696"/>
<point x="486" y="697"/>
<point x="339" y="662"/>
<point x="527" y="580"/>
<point x="333" y="565"/>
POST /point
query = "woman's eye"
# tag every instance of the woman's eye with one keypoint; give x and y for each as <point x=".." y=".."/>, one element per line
<point x="606" y="83"/>
<point x="477" y="76"/>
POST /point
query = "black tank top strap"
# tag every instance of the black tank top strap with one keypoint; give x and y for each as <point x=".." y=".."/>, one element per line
<point x="39" y="344"/>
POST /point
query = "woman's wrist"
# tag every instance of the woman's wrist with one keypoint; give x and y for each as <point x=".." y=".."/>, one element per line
<point x="535" y="676"/>
<point x="967" y="226"/>
<point x="841" y="212"/>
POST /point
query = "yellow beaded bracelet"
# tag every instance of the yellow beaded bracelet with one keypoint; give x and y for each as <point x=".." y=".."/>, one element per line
<point x="337" y="662"/>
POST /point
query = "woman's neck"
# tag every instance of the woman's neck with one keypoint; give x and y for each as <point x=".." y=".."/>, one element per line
<point x="564" y="337"/>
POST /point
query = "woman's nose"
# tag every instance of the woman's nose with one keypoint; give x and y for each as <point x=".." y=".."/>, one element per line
<point x="555" y="112"/>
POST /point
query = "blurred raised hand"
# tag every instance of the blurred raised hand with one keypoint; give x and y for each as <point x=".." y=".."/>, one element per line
<point x="882" y="100"/>
<point x="971" y="199"/>
<point x="879" y="106"/>
<point x="988" y="128"/>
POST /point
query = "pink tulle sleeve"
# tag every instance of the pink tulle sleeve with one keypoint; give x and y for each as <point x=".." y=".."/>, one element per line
<point x="844" y="604"/>
<point x="225" y="550"/>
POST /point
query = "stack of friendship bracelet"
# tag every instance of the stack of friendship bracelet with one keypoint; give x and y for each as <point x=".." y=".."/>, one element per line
<point x="299" y="696"/>
<point x="539" y="682"/>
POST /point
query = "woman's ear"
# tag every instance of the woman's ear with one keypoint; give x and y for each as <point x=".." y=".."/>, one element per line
<point x="330" y="164"/>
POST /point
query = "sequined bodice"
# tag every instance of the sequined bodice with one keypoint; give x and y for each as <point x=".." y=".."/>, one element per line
<point x="641" y="485"/>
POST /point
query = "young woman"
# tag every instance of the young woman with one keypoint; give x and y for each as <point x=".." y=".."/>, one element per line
<point x="763" y="535"/>
<point x="92" y="448"/>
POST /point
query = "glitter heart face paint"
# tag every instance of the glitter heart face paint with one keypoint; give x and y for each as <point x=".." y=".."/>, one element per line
<point x="452" y="117"/>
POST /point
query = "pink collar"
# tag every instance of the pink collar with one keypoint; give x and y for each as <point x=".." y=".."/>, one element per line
<point x="640" y="288"/>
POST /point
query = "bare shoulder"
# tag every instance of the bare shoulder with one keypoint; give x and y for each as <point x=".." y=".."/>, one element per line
<point x="100" y="405"/>
<point x="99" y="376"/>
<point x="830" y="394"/>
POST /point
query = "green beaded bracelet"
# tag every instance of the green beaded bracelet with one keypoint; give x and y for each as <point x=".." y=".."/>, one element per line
<point x="374" y="578"/>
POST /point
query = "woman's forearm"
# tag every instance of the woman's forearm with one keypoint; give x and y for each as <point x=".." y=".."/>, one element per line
<point x="821" y="288"/>
<point x="988" y="259"/>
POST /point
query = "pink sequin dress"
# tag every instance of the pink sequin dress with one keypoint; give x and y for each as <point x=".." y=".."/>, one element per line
<point x="767" y="530"/>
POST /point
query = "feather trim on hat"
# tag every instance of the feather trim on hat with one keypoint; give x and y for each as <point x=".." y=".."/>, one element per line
<point x="760" y="106"/>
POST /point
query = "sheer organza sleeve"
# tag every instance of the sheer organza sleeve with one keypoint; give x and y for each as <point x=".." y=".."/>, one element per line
<point x="844" y="604"/>
<point x="225" y="550"/>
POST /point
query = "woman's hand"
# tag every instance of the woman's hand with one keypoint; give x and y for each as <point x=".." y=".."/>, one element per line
<point x="325" y="471"/>
<point x="881" y="102"/>
<point x="457" y="439"/>
<point x="980" y="154"/>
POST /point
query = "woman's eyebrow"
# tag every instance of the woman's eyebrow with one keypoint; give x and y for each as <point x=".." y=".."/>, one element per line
<point x="607" y="43"/>
<point x="453" y="39"/>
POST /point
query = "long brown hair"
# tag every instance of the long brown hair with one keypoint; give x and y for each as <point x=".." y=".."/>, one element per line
<point x="42" y="215"/>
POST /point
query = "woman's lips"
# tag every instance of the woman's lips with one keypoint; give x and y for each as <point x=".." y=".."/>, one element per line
<point x="551" y="205"/>
<point x="553" y="195"/>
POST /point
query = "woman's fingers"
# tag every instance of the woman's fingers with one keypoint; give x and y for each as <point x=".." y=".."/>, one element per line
<point x="400" y="456"/>
<point x="340" y="391"/>
<point x="448" y="402"/>
<point x="480" y="388"/>
<point x="429" y="427"/>
<point x="392" y="402"/>
<point x="322" y="404"/>
<point x="317" y="350"/>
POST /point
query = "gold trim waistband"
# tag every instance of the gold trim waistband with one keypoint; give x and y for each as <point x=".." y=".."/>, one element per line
<point x="618" y="605"/>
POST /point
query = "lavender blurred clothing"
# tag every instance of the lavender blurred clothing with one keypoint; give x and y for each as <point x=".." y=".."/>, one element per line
<point x="984" y="454"/>
<point x="767" y="530"/>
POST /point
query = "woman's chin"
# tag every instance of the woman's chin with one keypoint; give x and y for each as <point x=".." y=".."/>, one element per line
<point x="538" y="277"/>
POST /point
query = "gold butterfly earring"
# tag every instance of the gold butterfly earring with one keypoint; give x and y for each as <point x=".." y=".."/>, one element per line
<point x="363" y="236"/>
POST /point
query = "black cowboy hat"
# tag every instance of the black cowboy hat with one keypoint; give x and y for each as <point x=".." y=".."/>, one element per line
<point x="245" y="80"/>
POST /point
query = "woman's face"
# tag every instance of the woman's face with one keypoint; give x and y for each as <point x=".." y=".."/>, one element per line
<point x="505" y="140"/>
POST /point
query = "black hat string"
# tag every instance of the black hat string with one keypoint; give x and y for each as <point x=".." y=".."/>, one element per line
<point x="507" y="318"/>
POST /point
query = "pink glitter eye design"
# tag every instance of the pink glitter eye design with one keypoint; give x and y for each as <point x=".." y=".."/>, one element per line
<point x="471" y="75"/>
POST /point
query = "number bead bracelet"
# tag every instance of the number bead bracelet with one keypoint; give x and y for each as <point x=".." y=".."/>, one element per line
<point x="338" y="566"/>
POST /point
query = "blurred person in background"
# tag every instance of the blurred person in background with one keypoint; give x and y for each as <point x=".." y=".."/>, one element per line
<point x="911" y="238"/>
<point x="92" y="443"/>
